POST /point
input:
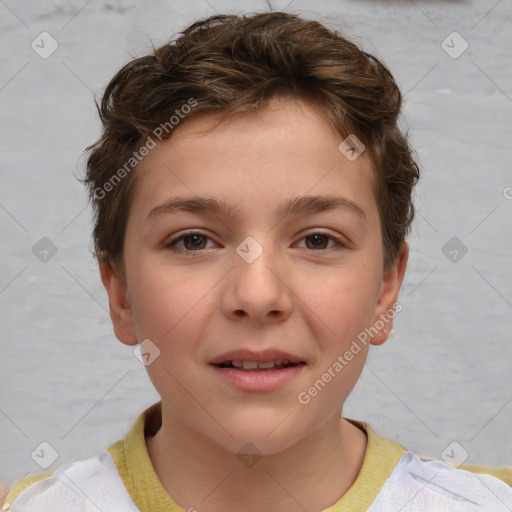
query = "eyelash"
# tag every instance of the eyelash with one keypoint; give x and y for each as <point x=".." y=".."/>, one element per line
<point x="340" y="244"/>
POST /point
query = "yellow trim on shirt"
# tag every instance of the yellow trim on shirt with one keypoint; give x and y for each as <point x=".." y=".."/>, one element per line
<point x="132" y="461"/>
<point x="20" y="486"/>
<point x="382" y="455"/>
<point x="142" y="483"/>
<point x="135" y="468"/>
<point x="145" y="489"/>
<point x="503" y="472"/>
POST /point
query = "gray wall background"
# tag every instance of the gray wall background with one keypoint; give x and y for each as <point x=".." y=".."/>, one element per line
<point x="445" y="374"/>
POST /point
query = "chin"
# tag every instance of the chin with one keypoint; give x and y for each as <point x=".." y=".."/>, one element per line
<point x="261" y="432"/>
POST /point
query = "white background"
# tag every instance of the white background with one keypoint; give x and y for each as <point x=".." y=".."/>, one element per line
<point x="445" y="374"/>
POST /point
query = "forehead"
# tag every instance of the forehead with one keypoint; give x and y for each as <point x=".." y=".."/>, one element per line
<point x="253" y="160"/>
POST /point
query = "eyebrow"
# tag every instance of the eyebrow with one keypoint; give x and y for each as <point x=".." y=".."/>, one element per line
<point x="291" y="207"/>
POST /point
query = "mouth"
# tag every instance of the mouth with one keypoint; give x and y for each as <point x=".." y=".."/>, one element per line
<point x="251" y="366"/>
<point x="257" y="371"/>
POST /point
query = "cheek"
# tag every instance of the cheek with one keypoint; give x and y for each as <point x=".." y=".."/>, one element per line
<point x="160" y="299"/>
<point x="171" y="307"/>
<point x="345" y="306"/>
<point x="341" y="313"/>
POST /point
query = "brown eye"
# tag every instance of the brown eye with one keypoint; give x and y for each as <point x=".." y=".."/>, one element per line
<point x="191" y="242"/>
<point x="320" y="241"/>
<point x="196" y="241"/>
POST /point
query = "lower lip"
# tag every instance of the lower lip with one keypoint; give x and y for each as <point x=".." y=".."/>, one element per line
<point x="258" y="380"/>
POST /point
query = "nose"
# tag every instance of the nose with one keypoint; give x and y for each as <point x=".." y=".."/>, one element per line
<point x="257" y="289"/>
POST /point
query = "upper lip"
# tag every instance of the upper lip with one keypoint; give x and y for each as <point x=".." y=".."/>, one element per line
<point x="263" y="356"/>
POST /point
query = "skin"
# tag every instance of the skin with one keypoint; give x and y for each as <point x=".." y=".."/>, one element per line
<point x="312" y="302"/>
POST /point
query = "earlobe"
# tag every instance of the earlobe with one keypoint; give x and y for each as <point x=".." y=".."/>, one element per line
<point x="120" y="308"/>
<point x="386" y="307"/>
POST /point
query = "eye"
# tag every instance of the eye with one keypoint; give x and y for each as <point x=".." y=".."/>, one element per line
<point x="192" y="241"/>
<point x="319" y="239"/>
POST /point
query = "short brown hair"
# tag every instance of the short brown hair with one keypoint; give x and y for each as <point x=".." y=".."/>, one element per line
<point x="230" y="64"/>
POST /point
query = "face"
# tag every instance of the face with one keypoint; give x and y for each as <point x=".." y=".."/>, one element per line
<point x="217" y="291"/>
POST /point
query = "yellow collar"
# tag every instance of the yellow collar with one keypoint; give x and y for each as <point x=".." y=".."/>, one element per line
<point x="136" y="470"/>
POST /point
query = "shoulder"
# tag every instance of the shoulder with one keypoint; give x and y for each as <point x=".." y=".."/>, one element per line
<point x="85" y="485"/>
<point x="417" y="485"/>
<point x="503" y="473"/>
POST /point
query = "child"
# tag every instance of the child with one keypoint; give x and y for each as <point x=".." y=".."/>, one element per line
<point x="271" y="145"/>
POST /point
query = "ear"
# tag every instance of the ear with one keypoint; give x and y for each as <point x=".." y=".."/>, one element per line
<point x="120" y="309"/>
<point x="391" y="283"/>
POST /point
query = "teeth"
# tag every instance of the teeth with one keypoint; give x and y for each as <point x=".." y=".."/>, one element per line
<point x="252" y="365"/>
<point x="270" y="364"/>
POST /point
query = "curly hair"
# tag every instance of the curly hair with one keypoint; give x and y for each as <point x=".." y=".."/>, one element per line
<point x="230" y="64"/>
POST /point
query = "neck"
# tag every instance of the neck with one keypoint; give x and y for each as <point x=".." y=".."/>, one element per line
<point x="312" y="474"/>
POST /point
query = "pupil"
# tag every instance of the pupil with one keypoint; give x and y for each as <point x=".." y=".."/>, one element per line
<point x="318" y="239"/>
<point x="196" y="240"/>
